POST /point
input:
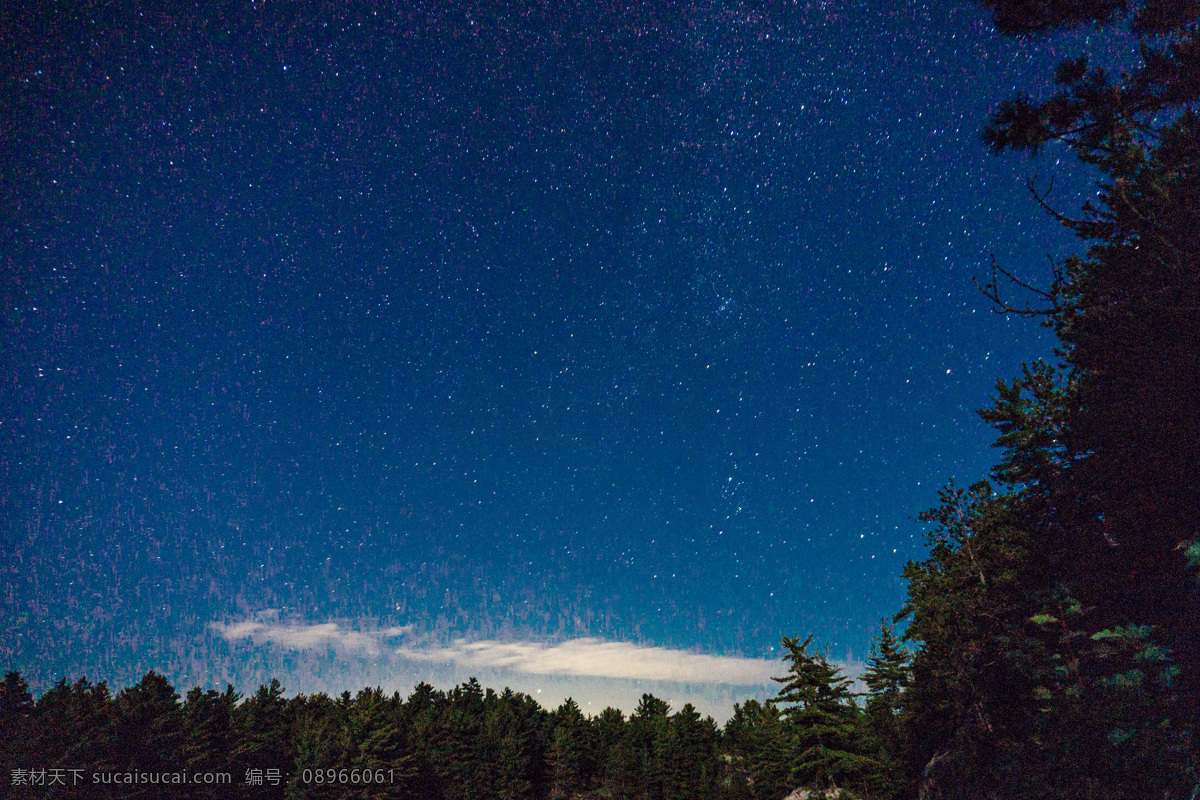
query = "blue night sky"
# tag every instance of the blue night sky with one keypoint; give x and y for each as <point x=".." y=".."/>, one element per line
<point x="367" y="343"/>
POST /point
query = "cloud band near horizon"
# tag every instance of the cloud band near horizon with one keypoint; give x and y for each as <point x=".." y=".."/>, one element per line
<point x="575" y="658"/>
<point x="596" y="658"/>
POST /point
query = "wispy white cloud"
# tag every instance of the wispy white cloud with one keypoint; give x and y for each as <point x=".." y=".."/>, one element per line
<point x="308" y="637"/>
<point x="572" y="659"/>
<point x="596" y="672"/>
<point x="596" y="658"/>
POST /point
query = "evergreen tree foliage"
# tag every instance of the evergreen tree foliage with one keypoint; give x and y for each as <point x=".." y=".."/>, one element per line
<point x="422" y="720"/>
<point x="209" y="734"/>
<point x="972" y="690"/>
<point x="76" y="725"/>
<point x="16" y="703"/>
<point x="372" y="740"/>
<point x="515" y="730"/>
<point x="691" y="767"/>
<point x="149" y="733"/>
<point x="759" y="763"/>
<point x="1126" y="315"/>
<point x="467" y="742"/>
<point x="1057" y="619"/>
<point x="318" y="722"/>
<point x="619" y="772"/>
<point x="460" y="754"/>
<point x="887" y="676"/>
<point x="647" y="735"/>
<point x="824" y="724"/>
<point x="571" y="756"/>
<point x="264" y="735"/>
<point x="16" y="710"/>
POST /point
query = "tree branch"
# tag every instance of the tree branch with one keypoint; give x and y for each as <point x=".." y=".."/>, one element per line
<point x="992" y="292"/>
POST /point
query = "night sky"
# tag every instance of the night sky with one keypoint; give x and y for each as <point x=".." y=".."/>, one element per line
<point x="371" y="343"/>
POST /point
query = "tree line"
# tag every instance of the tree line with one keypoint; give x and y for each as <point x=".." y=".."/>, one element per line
<point x="468" y="742"/>
<point x="1056" y="621"/>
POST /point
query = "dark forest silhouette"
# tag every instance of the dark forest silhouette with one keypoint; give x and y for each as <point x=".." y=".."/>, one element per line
<point x="78" y="740"/>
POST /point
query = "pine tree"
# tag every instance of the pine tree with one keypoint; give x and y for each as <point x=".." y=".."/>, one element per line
<point x="570" y="757"/>
<point x="460" y="759"/>
<point x="1071" y="667"/>
<point x="971" y="705"/>
<point x="618" y="765"/>
<point x="887" y="676"/>
<point x="373" y="741"/>
<point x="16" y="710"/>
<point x="647" y="735"/>
<point x="513" y="735"/>
<point x="75" y="725"/>
<point x="1126" y="316"/>
<point x="264" y="735"/>
<point x="758" y="751"/>
<point x="423" y="720"/>
<point x="690" y="764"/>
<point x="149" y="733"/>
<point x="209" y="735"/>
<point x="826" y="727"/>
<point x="319" y="736"/>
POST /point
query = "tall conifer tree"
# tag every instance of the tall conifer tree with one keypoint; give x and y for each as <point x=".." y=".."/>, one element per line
<point x="824" y="724"/>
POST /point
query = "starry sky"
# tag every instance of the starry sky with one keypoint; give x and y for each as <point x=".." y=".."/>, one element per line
<point x="577" y="345"/>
